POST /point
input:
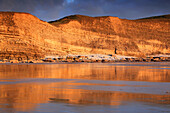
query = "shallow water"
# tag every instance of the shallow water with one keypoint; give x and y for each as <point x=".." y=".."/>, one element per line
<point x="85" y="88"/>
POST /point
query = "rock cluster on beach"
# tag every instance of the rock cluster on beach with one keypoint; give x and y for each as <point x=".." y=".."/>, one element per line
<point x="94" y="58"/>
<point x="24" y="37"/>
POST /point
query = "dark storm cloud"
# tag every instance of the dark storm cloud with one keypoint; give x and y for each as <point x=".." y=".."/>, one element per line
<point x="139" y="8"/>
<point x="54" y="9"/>
<point x="44" y="9"/>
<point x="121" y="8"/>
<point x="28" y="5"/>
<point x="86" y="6"/>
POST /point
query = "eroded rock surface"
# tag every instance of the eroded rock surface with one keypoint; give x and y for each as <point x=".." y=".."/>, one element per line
<point x="24" y="36"/>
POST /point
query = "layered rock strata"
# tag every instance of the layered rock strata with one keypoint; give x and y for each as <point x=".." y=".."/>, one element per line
<point x="24" y="36"/>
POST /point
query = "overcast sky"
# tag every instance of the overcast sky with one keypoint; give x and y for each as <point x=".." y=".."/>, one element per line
<point x="48" y="10"/>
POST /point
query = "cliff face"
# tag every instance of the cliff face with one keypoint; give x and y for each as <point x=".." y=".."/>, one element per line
<point x="129" y="37"/>
<point x="25" y="36"/>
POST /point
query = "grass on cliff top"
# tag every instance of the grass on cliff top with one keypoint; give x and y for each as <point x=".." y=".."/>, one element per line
<point x="157" y="17"/>
<point x="79" y="18"/>
<point x="67" y="19"/>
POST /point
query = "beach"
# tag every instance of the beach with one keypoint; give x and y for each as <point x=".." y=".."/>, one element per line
<point x="85" y="87"/>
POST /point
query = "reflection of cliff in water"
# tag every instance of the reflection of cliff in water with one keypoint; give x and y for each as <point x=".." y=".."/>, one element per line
<point x="26" y="96"/>
<point x="86" y="71"/>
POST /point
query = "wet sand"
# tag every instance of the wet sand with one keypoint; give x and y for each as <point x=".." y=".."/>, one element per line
<point x="83" y="87"/>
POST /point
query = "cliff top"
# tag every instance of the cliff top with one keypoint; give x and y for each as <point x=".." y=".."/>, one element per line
<point x="84" y="17"/>
<point x="88" y="18"/>
<point x="158" y="17"/>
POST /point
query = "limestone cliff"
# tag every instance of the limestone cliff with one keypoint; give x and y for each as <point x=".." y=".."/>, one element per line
<point x="129" y="37"/>
<point x="24" y="36"/>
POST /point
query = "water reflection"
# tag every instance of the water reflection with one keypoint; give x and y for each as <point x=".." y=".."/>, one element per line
<point x="86" y="71"/>
<point x="17" y="94"/>
<point x="26" y="97"/>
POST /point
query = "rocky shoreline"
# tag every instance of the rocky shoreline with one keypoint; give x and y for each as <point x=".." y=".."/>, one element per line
<point x="95" y="58"/>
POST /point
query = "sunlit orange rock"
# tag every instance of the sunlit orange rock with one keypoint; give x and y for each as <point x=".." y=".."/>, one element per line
<point x="24" y="36"/>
